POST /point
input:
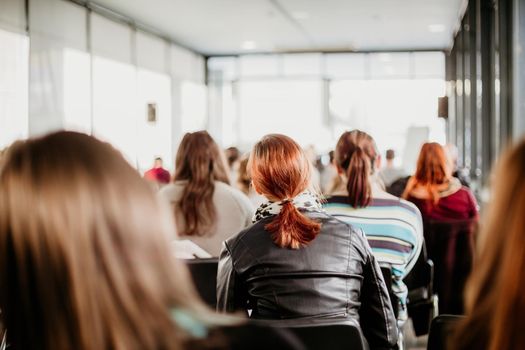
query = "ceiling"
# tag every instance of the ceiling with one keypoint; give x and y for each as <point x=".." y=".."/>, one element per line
<point x="215" y="27"/>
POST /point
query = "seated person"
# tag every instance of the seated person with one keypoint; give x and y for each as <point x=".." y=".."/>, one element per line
<point x="392" y="226"/>
<point x="438" y="195"/>
<point x="494" y="297"/>
<point x="88" y="267"/>
<point x="244" y="183"/>
<point x="207" y="209"/>
<point x="390" y="172"/>
<point x="296" y="264"/>
<point x="158" y="174"/>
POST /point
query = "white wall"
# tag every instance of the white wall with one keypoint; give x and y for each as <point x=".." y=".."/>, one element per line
<point x="97" y="75"/>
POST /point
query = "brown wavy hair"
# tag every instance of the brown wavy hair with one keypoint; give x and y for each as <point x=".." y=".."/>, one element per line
<point x="84" y="258"/>
<point x="200" y="162"/>
<point x="356" y="154"/>
<point x="280" y="171"/>
<point x="494" y="296"/>
<point x="432" y="171"/>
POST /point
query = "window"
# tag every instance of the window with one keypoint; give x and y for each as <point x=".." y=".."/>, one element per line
<point x="14" y="57"/>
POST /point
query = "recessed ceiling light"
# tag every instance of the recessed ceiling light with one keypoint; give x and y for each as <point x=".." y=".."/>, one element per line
<point x="300" y="15"/>
<point x="436" y="28"/>
<point x="248" y="45"/>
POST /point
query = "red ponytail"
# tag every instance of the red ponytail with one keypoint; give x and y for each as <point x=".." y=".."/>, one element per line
<point x="291" y="229"/>
<point x="280" y="170"/>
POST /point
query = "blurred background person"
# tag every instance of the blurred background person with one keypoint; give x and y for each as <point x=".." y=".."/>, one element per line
<point x="244" y="183"/>
<point x="392" y="225"/>
<point x="438" y="195"/>
<point x="158" y="174"/>
<point x="494" y="297"/>
<point x="329" y="175"/>
<point x="340" y="281"/>
<point x="462" y="174"/>
<point x="207" y="209"/>
<point x="233" y="156"/>
<point x="311" y="155"/>
<point x="390" y="173"/>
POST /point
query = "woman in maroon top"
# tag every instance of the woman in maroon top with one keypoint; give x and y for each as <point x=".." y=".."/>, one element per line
<point x="437" y="194"/>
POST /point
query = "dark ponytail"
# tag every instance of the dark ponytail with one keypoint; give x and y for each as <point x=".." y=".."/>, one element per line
<point x="358" y="173"/>
<point x="355" y="154"/>
<point x="291" y="229"/>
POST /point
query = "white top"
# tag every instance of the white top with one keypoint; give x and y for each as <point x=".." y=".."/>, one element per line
<point x="234" y="213"/>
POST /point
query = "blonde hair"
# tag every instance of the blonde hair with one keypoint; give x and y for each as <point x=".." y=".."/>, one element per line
<point x="494" y="297"/>
<point x="84" y="257"/>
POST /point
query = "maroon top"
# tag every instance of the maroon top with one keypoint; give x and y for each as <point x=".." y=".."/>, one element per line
<point x="460" y="205"/>
<point x="158" y="174"/>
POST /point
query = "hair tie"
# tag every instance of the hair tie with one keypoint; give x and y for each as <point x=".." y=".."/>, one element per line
<point x="287" y="200"/>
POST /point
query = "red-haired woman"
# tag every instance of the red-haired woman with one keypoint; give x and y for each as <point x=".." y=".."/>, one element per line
<point x="298" y="264"/>
<point x="437" y="194"/>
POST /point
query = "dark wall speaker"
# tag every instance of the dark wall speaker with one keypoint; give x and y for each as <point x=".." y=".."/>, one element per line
<point x="443" y="107"/>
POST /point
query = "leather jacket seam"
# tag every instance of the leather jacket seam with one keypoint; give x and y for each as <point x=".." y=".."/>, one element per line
<point x="350" y="241"/>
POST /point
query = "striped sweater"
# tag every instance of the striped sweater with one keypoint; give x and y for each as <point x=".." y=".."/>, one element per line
<point x="394" y="231"/>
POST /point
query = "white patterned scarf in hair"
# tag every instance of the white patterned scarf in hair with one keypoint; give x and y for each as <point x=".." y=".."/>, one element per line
<point x="305" y="201"/>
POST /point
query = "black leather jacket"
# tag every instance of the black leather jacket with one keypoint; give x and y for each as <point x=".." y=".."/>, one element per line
<point x="334" y="279"/>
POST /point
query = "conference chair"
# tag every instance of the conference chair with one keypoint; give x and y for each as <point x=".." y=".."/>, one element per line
<point x="387" y="276"/>
<point x="327" y="336"/>
<point x="450" y="246"/>
<point x="441" y="329"/>
<point x="422" y="301"/>
<point x="204" y="275"/>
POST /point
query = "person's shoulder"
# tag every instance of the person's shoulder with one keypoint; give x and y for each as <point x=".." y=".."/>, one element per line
<point x="248" y="233"/>
<point x="227" y="189"/>
<point x="409" y="206"/>
<point x="332" y="223"/>
<point x="465" y="190"/>
<point x="172" y="191"/>
<point x="224" y="190"/>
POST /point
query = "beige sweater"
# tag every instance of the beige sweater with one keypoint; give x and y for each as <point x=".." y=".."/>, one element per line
<point x="234" y="213"/>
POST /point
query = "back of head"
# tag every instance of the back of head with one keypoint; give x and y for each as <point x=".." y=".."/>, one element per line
<point x="84" y="262"/>
<point x="200" y="162"/>
<point x="356" y="154"/>
<point x="494" y="298"/>
<point x="432" y="170"/>
<point x="244" y="179"/>
<point x="280" y="171"/>
<point x="232" y="155"/>
<point x="158" y="162"/>
<point x="390" y="154"/>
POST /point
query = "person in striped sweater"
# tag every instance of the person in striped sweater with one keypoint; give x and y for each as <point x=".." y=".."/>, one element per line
<point x="393" y="226"/>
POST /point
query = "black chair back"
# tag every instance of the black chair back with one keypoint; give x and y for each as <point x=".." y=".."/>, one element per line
<point x="204" y="275"/>
<point x="333" y="337"/>
<point x="387" y="276"/>
<point x="450" y="245"/>
<point x="256" y="336"/>
<point x="421" y="297"/>
<point x="441" y="329"/>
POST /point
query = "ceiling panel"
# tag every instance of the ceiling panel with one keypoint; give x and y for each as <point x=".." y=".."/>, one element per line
<point x="222" y="26"/>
